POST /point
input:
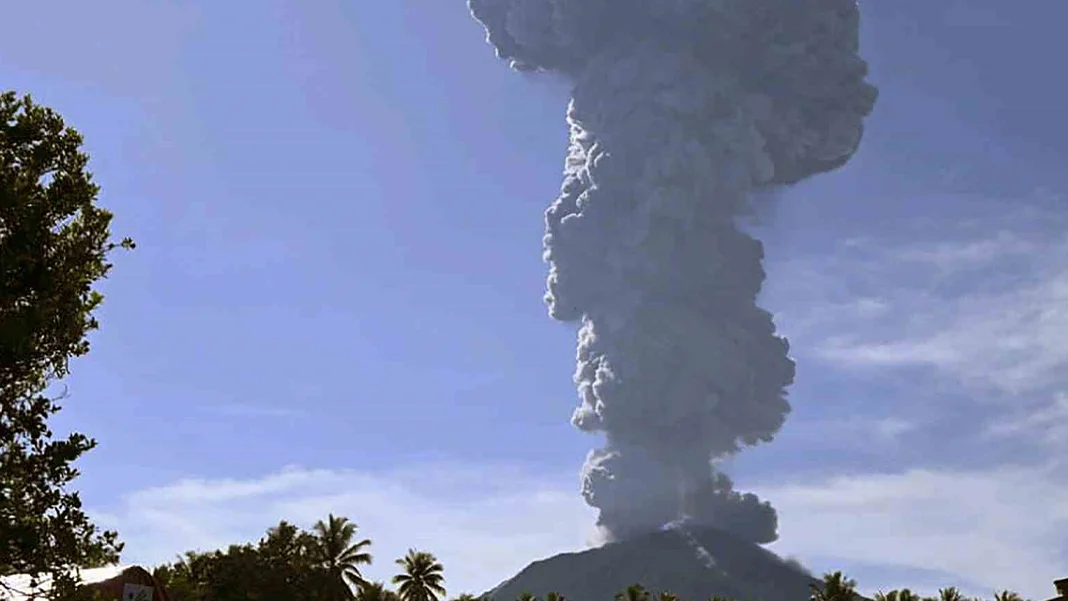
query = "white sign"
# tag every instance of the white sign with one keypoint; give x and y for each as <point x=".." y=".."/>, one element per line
<point x="136" y="592"/>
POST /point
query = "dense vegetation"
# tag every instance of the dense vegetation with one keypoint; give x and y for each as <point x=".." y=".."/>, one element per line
<point x="324" y="564"/>
<point x="54" y="243"/>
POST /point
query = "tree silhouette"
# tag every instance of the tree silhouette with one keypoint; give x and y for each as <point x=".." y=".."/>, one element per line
<point x="422" y="577"/>
<point x="340" y="557"/>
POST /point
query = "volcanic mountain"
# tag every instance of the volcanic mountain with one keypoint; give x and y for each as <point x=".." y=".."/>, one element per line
<point x="692" y="562"/>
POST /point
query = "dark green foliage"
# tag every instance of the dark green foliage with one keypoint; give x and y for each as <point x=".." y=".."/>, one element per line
<point x="634" y="592"/>
<point x="340" y="557"/>
<point x="421" y="578"/>
<point x="377" y="591"/>
<point x="54" y="244"/>
<point x="287" y="564"/>
<point x="835" y="587"/>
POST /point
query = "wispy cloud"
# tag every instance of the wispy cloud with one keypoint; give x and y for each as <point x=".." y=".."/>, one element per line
<point x="996" y="528"/>
<point x="484" y="522"/>
<point x="978" y="305"/>
<point x="1044" y="423"/>
<point x="844" y="431"/>
<point x="987" y="530"/>
<point x="981" y="305"/>
<point x="989" y="309"/>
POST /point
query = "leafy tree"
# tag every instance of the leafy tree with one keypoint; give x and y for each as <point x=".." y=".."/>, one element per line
<point x="288" y="556"/>
<point x="180" y="579"/>
<point x="465" y="597"/>
<point x="422" y="577"/>
<point x="634" y="592"/>
<point x="897" y="595"/>
<point x="54" y="244"/>
<point x="836" y="587"/>
<point x="375" y="591"/>
<point x="340" y="557"/>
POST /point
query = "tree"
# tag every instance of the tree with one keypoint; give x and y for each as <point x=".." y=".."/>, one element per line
<point x="667" y="596"/>
<point x="375" y="591"/>
<point x="836" y="587"/>
<point x="340" y="557"/>
<point x="54" y="245"/>
<point x="950" y="594"/>
<point x="289" y="558"/>
<point x="467" y="597"/>
<point x="554" y="596"/>
<point x="422" y="577"/>
<point x="1007" y="596"/>
<point x="897" y="595"/>
<point x="634" y="592"/>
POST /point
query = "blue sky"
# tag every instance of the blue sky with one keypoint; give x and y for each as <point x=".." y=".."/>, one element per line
<point x="335" y="304"/>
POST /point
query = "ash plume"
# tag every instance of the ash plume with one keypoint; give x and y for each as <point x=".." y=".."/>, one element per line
<point x="681" y="110"/>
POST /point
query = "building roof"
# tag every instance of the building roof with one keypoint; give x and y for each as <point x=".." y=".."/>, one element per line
<point x="109" y="580"/>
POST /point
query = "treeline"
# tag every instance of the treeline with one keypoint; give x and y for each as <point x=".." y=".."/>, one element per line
<point x="290" y="564"/>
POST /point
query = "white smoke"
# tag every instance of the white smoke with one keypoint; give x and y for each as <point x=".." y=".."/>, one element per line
<point x="681" y="110"/>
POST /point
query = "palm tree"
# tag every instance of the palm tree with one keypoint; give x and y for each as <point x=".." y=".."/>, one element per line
<point x="465" y="597"/>
<point x="339" y="557"/>
<point x="526" y="596"/>
<point x="836" y="587"/>
<point x="897" y="595"/>
<point x="1007" y="596"/>
<point x="950" y="594"/>
<point x="375" y="591"/>
<point x="634" y="592"/>
<point x="422" y="577"/>
<point x="667" y="596"/>
<point x="554" y="596"/>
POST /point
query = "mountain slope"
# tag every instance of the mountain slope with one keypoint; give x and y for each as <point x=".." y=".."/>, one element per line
<point x="694" y="563"/>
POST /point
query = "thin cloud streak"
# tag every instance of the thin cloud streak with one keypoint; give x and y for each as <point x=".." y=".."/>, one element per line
<point x="481" y="534"/>
<point x="995" y="528"/>
<point x="989" y="310"/>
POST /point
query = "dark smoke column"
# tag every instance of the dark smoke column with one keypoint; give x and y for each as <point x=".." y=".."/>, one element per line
<point x="680" y="109"/>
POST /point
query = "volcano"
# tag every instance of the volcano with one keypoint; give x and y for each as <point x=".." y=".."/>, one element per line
<point x="692" y="562"/>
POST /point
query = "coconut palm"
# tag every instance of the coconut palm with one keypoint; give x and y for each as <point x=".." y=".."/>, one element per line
<point x="1007" y="596"/>
<point x="950" y="594"/>
<point x="836" y="587"/>
<point x="634" y="592"/>
<point x="422" y="577"/>
<point x="526" y="596"/>
<point x="375" y="591"/>
<point x="465" y="597"/>
<point x="897" y="595"/>
<point x="339" y="557"/>
<point x="554" y="596"/>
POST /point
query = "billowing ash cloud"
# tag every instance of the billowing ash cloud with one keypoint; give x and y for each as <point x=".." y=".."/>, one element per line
<point x="680" y="110"/>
